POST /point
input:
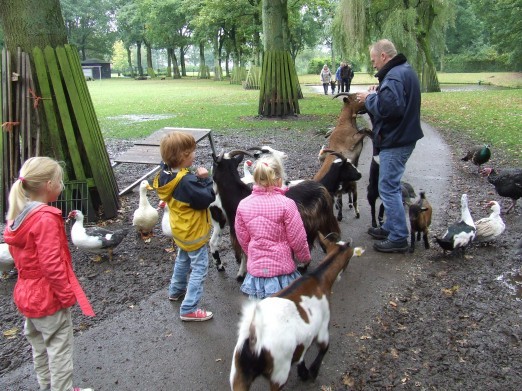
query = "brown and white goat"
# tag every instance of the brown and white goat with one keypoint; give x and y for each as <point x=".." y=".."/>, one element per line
<point x="276" y="332"/>
<point x="420" y="220"/>
<point x="346" y="140"/>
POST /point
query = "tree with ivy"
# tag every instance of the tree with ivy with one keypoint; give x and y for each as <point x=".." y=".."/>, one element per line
<point x="416" y="27"/>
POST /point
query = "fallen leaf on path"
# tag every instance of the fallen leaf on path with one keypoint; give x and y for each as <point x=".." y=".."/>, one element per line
<point x="451" y="291"/>
<point x="393" y="304"/>
<point x="11" y="333"/>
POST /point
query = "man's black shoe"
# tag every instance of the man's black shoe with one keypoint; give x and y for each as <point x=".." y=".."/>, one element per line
<point x="387" y="246"/>
<point x="378" y="233"/>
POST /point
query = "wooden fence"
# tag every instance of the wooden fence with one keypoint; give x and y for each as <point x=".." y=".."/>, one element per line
<point x="57" y="94"/>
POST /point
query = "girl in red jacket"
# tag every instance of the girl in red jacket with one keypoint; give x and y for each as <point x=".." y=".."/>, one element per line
<point x="46" y="286"/>
<point x="270" y="230"/>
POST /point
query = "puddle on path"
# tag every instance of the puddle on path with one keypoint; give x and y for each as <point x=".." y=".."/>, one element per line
<point x="513" y="281"/>
<point x="132" y="118"/>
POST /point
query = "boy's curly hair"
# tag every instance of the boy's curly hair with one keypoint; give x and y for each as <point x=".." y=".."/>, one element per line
<point x="175" y="147"/>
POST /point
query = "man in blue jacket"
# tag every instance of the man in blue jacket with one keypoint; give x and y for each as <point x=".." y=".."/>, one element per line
<point x="394" y="107"/>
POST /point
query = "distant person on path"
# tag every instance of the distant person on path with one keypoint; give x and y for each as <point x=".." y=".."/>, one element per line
<point x="188" y="196"/>
<point x="47" y="287"/>
<point x="346" y="77"/>
<point x="326" y="76"/>
<point x="270" y="230"/>
<point x="338" y="77"/>
<point x="394" y="108"/>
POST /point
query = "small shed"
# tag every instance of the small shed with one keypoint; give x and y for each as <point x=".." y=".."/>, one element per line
<point x="96" y="69"/>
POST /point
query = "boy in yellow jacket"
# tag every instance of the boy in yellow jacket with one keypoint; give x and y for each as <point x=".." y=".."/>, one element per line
<point x="188" y="197"/>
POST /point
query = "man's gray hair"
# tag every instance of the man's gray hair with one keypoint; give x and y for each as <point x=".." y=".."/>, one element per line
<point x="384" y="46"/>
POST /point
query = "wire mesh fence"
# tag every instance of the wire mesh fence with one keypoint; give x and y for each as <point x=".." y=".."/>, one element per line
<point x="75" y="196"/>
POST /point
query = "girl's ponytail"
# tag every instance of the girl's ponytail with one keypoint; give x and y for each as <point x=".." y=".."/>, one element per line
<point x="35" y="173"/>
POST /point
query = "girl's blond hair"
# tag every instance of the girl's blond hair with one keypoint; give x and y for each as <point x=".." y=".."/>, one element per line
<point x="34" y="174"/>
<point x="267" y="172"/>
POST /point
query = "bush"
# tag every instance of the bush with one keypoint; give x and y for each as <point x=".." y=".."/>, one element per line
<point x="485" y="60"/>
<point x="316" y="64"/>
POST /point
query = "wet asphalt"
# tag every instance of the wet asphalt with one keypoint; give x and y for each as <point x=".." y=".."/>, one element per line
<point x="149" y="348"/>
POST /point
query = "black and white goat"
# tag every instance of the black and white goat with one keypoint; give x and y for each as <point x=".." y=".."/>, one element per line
<point x="218" y="214"/>
<point x="312" y="199"/>
<point x="372" y="192"/>
<point x="276" y="332"/>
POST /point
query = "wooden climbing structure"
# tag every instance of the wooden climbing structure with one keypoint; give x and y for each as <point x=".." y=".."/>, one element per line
<point x="55" y="94"/>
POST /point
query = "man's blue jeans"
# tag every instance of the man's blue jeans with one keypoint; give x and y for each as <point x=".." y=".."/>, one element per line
<point x="392" y="166"/>
<point x="197" y="261"/>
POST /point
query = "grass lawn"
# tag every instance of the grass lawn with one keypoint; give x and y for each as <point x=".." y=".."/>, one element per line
<point x="133" y="109"/>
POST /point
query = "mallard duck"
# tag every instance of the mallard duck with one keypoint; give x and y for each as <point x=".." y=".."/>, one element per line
<point x="461" y="233"/>
<point x="146" y="216"/>
<point x="96" y="240"/>
<point x="507" y="182"/>
<point x="478" y="155"/>
<point x="489" y="228"/>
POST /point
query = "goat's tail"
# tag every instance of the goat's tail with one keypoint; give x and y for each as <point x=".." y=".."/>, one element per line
<point x="248" y="332"/>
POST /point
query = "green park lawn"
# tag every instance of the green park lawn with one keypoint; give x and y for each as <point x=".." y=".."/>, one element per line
<point x="131" y="109"/>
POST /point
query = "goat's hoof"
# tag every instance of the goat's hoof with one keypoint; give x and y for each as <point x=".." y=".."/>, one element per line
<point x="240" y="278"/>
<point x="411" y="250"/>
<point x="339" y="218"/>
<point x="303" y="372"/>
<point x="220" y="268"/>
<point x="357" y="215"/>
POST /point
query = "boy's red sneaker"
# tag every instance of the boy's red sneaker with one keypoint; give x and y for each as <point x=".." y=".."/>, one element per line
<point x="197" y="316"/>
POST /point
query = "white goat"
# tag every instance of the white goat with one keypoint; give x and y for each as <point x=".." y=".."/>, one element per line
<point x="277" y="331"/>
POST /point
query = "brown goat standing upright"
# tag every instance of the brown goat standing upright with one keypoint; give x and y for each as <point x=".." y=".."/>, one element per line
<point x="420" y="219"/>
<point x="348" y="141"/>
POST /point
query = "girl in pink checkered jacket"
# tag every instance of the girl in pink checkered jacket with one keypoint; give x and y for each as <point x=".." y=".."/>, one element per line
<point x="270" y="230"/>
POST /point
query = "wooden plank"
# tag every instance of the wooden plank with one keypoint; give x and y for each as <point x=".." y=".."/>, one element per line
<point x="155" y="137"/>
<point x="3" y="136"/>
<point x="63" y="110"/>
<point x="140" y="154"/>
<point x="44" y="88"/>
<point x="92" y="120"/>
<point x="262" y="87"/>
<point x="295" y="84"/>
<point x="94" y="157"/>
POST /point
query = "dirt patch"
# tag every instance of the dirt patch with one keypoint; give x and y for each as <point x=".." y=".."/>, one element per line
<point x="455" y="326"/>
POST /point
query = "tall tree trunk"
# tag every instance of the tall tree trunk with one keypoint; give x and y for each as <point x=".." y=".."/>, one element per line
<point x="182" y="61"/>
<point x="218" y="72"/>
<point x="257" y="40"/>
<point x="129" y="60"/>
<point x="279" y="84"/>
<point x="175" y="67"/>
<point x="429" y="80"/>
<point x="203" y="70"/>
<point x="138" y="58"/>
<point x="169" y="62"/>
<point x="150" y="67"/>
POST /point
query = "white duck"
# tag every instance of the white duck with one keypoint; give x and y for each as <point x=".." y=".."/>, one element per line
<point x="461" y="233"/>
<point x="489" y="228"/>
<point x="146" y="216"/>
<point x="6" y="259"/>
<point x="165" y="224"/>
<point x="96" y="240"/>
<point x="248" y="178"/>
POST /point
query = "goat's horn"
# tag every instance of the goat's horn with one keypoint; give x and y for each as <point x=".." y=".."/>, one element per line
<point x="217" y="159"/>
<point x="327" y="151"/>
<point x="254" y="149"/>
<point x="236" y="152"/>
<point x="343" y="94"/>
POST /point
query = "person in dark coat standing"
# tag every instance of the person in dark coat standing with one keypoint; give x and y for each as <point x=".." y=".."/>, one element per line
<point x="394" y="107"/>
<point x="346" y="77"/>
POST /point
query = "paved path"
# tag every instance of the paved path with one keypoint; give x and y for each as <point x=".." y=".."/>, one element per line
<point x="148" y="348"/>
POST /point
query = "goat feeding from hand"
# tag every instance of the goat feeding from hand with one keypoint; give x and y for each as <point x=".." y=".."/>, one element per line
<point x="420" y="220"/>
<point x="276" y="332"/>
<point x="346" y="140"/>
